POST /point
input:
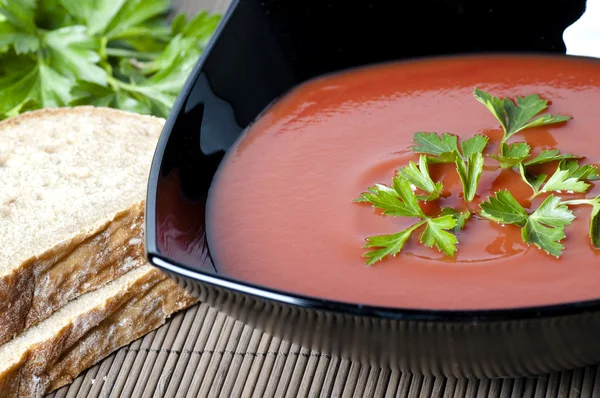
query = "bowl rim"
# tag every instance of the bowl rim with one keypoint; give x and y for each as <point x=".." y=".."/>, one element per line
<point x="388" y="313"/>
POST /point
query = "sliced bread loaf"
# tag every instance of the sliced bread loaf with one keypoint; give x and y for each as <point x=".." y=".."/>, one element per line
<point x="53" y="352"/>
<point x="71" y="206"/>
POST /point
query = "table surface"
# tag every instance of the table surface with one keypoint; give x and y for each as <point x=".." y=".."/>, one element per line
<point x="203" y="353"/>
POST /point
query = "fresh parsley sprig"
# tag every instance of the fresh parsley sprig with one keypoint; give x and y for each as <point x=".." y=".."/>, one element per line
<point x="420" y="178"/>
<point x="444" y="149"/>
<point x="594" y="217"/>
<point x="569" y="177"/>
<point x="399" y="200"/>
<point x="543" y="228"/>
<point x="518" y="115"/>
<point x="514" y="155"/>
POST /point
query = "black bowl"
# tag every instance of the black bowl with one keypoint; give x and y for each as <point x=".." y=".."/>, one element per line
<point x="261" y="50"/>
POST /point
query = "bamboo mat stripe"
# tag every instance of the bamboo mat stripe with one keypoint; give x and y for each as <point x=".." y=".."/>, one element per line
<point x="203" y="353"/>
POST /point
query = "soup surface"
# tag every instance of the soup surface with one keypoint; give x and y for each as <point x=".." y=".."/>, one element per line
<point x="281" y="213"/>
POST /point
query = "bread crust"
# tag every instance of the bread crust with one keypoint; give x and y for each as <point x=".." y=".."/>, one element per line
<point x="86" y="262"/>
<point x="126" y="316"/>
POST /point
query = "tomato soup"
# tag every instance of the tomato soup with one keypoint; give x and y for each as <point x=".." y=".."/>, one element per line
<point x="281" y="211"/>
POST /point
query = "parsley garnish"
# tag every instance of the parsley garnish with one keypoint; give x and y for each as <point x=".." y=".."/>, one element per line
<point x="542" y="227"/>
<point x="515" y="116"/>
<point x="444" y="149"/>
<point x="594" y="218"/>
<point x="121" y="54"/>
<point x="569" y="176"/>
<point x="470" y="173"/>
<point x="400" y="200"/>
<point x="512" y="154"/>
<point x="420" y="178"/>
<point x="550" y="155"/>
<point x="460" y="217"/>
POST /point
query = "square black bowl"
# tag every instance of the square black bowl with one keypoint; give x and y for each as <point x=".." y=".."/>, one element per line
<point x="260" y="51"/>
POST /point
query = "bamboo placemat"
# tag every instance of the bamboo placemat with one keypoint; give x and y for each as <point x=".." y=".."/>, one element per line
<point x="203" y="353"/>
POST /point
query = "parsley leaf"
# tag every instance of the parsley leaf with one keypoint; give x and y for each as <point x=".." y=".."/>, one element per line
<point x="587" y="172"/>
<point x="73" y="53"/>
<point x="436" y="233"/>
<point x="111" y="18"/>
<point x="550" y="155"/>
<point x="595" y="227"/>
<point x="543" y="228"/>
<point x="96" y="15"/>
<point x="400" y="200"/>
<point x="162" y="78"/>
<point x="134" y="13"/>
<point x="594" y="217"/>
<point x="460" y="217"/>
<point x="553" y="212"/>
<point x="513" y="154"/>
<point x="535" y="182"/>
<point x="473" y="145"/>
<point x="470" y="173"/>
<point x="569" y="176"/>
<point x="118" y="53"/>
<point x="519" y="115"/>
<point x="420" y="178"/>
<point x="503" y="208"/>
<point x="21" y="41"/>
<point x="388" y="245"/>
<point x="444" y="147"/>
<point x="20" y="14"/>
<point x="41" y="86"/>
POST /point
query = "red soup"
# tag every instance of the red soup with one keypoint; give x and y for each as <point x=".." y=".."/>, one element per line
<point x="281" y="211"/>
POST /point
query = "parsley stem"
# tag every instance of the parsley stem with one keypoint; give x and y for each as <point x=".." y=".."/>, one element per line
<point x="160" y="33"/>
<point x="535" y="195"/>
<point x="124" y="53"/>
<point x="123" y="85"/>
<point x="503" y="143"/>
<point x="575" y="202"/>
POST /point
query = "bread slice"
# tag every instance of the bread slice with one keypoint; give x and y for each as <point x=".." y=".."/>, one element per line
<point x="52" y="353"/>
<point x="71" y="206"/>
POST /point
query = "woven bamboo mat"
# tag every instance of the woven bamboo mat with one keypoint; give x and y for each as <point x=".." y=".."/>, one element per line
<point x="203" y="353"/>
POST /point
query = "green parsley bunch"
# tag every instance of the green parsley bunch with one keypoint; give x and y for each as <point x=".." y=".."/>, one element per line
<point x="114" y="53"/>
